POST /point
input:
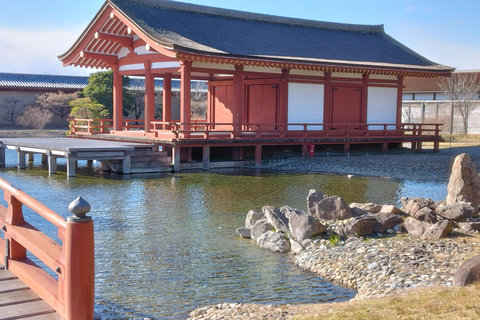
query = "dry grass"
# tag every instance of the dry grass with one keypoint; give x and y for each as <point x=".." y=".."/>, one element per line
<point x="429" y="303"/>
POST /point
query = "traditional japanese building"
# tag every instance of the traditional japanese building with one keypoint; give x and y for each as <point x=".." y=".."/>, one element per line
<point x="272" y="81"/>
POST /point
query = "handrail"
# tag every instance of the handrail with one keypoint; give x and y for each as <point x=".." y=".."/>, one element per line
<point x="72" y="295"/>
<point x="284" y="130"/>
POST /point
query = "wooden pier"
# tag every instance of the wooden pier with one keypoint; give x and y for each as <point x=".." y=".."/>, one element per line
<point x="116" y="156"/>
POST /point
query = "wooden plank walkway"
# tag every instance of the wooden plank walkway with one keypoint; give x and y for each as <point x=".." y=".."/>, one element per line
<point x="17" y="301"/>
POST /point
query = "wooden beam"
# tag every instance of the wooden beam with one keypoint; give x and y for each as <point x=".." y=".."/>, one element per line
<point x="107" y="58"/>
<point x="123" y="41"/>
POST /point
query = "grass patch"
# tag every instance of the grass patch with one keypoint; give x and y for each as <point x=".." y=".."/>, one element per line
<point x="428" y="303"/>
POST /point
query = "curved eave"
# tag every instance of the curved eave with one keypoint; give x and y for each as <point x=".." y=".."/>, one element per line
<point x="88" y="51"/>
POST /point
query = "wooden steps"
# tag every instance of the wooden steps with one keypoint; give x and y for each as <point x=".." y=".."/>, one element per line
<point x="144" y="161"/>
<point x="17" y="301"/>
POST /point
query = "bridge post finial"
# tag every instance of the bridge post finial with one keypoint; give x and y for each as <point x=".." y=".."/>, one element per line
<point x="79" y="207"/>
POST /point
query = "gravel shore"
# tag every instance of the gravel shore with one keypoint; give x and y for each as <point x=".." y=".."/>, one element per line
<point x="401" y="164"/>
<point x="375" y="267"/>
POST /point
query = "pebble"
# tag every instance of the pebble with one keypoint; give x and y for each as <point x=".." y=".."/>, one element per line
<point x="377" y="266"/>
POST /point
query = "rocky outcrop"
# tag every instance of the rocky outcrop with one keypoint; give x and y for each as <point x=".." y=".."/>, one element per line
<point x="260" y="227"/>
<point x="301" y="225"/>
<point x="412" y="205"/>
<point x="457" y="211"/>
<point x="358" y="227"/>
<point x="313" y="196"/>
<point x="385" y="221"/>
<point x="252" y="217"/>
<point x="276" y="218"/>
<point x="464" y="182"/>
<point x="468" y="273"/>
<point x="275" y="241"/>
<point x="439" y="230"/>
<point x="426" y="215"/>
<point x="425" y="230"/>
<point x="332" y="208"/>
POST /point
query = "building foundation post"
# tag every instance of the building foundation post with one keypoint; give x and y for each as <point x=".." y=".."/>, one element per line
<point x="206" y="158"/>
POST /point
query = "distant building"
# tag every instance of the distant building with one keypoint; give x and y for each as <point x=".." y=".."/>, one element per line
<point x="423" y="101"/>
<point x="24" y="88"/>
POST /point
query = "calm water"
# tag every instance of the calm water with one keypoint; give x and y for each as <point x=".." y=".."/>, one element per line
<point x="166" y="243"/>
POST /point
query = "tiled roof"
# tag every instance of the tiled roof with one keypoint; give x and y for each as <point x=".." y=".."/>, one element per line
<point x="20" y="81"/>
<point x="36" y="82"/>
<point x="201" y="29"/>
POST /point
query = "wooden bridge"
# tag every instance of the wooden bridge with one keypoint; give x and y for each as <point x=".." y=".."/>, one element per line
<point x="26" y="289"/>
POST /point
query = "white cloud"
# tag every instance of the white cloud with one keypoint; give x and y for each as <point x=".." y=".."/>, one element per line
<point x="32" y="51"/>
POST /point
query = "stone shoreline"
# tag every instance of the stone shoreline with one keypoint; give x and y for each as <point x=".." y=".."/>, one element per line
<point x="375" y="267"/>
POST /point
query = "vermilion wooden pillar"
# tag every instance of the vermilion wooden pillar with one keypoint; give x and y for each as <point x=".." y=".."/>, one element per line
<point x="363" y="117"/>
<point x="327" y="101"/>
<point x="185" y="94"/>
<point x="399" y="100"/>
<point x="167" y="98"/>
<point x="239" y="94"/>
<point x="283" y="103"/>
<point x="117" y="100"/>
<point x="149" y="96"/>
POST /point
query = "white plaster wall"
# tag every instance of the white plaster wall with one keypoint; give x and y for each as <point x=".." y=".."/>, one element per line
<point x="305" y="104"/>
<point x="381" y="106"/>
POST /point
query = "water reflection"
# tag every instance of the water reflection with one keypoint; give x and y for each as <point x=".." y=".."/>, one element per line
<point x="166" y="243"/>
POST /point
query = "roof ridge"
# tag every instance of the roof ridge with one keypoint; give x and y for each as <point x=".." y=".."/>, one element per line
<point x="39" y="75"/>
<point x="170" y="4"/>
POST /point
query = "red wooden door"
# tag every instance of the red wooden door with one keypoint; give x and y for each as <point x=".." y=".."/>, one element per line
<point x="346" y="107"/>
<point x="223" y="106"/>
<point x="262" y="104"/>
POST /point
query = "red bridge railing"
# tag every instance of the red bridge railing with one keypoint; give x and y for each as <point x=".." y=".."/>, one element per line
<point x="72" y="295"/>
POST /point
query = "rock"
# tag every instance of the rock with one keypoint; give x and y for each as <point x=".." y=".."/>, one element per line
<point x="276" y="218"/>
<point x="365" y="207"/>
<point x="385" y="221"/>
<point x="468" y="273"/>
<point x="358" y="227"/>
<point x="457" y="211"/>
<point x="332" y="208"/>
<point x="391" y="209"/>
<point x="439" y="230"/>
<point x="426" y="215"/>
<point x="464" y="183"/>
<point x="274" y="241"/>
<point x="244" y="232"/>
<point x="314" y="196"/>
<point x="295" y="246"/>
<point x="415" y="227"/>
<point x="412" y="205"/>
<point x="469" y="226"/>
<point x="260" y="227"/>
<point x="301" y="225"/>
<point x="252" y="217"/>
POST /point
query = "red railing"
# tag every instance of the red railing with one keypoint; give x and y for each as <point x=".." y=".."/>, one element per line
<point x="215" y="131"/>
<point x="90" y="126"/>
<point x="72" y="295"/>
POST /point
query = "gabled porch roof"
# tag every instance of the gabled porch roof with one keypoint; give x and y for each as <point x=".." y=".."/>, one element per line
<point x="180" y="31"/>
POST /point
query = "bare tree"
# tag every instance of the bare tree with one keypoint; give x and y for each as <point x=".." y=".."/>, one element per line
<point x="199" y="101"/>
<point x="35" y="117"/>
<point x="58" y="103"/>
<point x="462" y="89"/>
<point x="138" y="101"/>
<point x="11" y="106"/>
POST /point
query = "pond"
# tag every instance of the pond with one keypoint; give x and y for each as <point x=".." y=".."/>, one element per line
<point x="166" y="243"/>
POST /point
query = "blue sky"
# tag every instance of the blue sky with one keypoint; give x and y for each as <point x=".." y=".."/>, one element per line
<point x="34" y="32"/>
